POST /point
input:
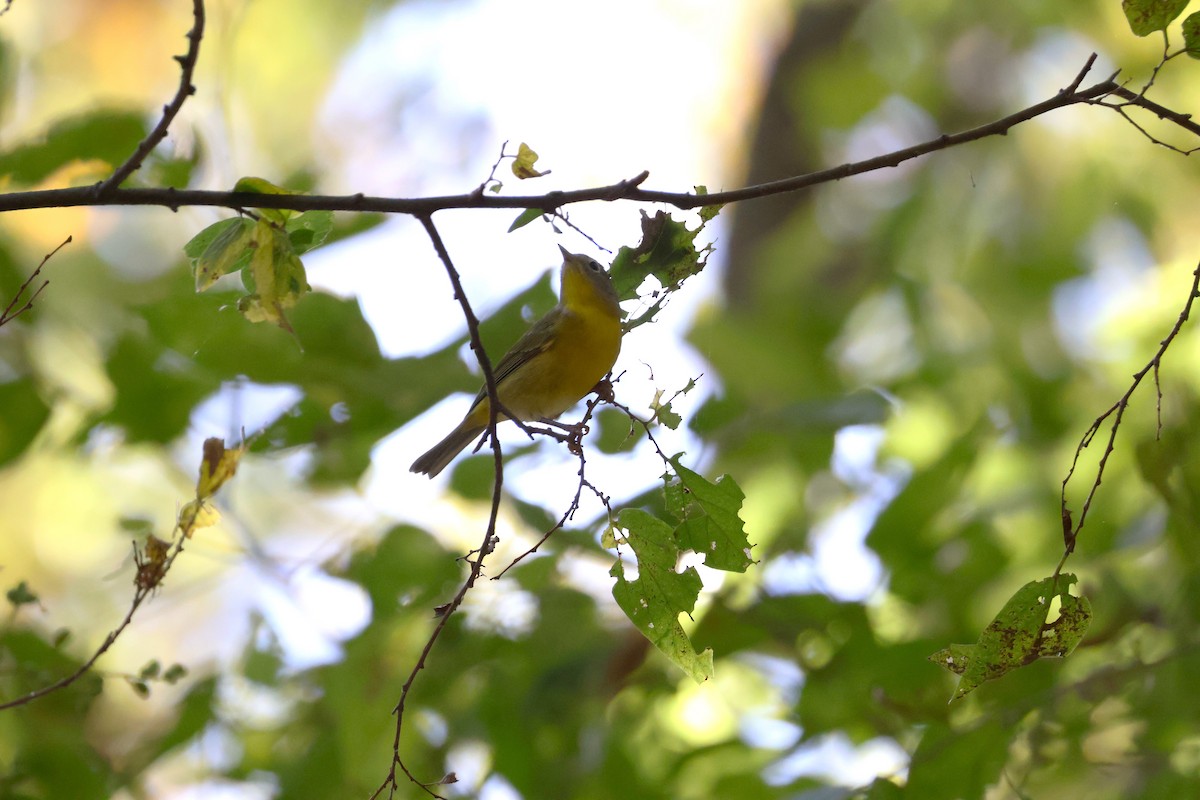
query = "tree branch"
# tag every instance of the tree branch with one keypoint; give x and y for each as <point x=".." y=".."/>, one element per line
<point x="630" y="189"/>
<point x="187" y="66"/>
<point x="1117" y="412"/>
<point x="11" y="311"/>
<point x="485" y="547"/>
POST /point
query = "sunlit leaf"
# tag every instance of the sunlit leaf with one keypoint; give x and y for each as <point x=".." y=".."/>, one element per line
<point x="218" y="465"/>
<point x="275" y="277"/>
<point x="709" y="521"/>
<point x="666" y="252"/>
<point x="659" y="595"/>
<point x="1147" y="16"/>
<point x="263" y="186"/>
<point x="1020" y="634"/>
<point x="1191" y="34"/>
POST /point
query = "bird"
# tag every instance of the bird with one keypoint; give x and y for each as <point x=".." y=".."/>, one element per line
<point x="561" y="358"/>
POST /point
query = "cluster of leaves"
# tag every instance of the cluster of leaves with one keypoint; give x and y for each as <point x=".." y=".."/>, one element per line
<point x="1154" y="16"/>
<point x="266" y="251"/>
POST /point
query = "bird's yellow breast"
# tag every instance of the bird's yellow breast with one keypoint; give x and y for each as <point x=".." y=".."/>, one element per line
<point x="583" y="349"/>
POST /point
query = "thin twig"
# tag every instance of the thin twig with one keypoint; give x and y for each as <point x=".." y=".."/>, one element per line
<point x="1116" y="412"/>
<point x="9" y="313"/>
<point x="154" y="561"/>
<point x="187" y="66"/>
<point x="486" y="546"/>
<point x="573" y="507"/>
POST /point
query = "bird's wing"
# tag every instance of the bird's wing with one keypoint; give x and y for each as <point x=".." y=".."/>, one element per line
<point x="533" y="342"/>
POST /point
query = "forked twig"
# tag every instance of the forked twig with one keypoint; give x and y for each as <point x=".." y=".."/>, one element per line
<point x="11" y="311"/>
<point x="1116" y="412"/>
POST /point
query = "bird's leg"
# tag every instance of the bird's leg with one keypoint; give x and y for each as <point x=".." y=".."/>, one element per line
<point x="604" y="390"/>
<point x="572" y="435"/>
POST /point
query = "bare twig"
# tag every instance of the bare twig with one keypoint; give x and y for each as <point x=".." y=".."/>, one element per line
<point x="187" y="66"/>
<point x="1116" y="412"/>
<point x="153" y="562"/>
<point x="11" y="311"/>
<point x="142" y="590"/>
<point x="569" y="514"/>
<point x="485" y="547"/>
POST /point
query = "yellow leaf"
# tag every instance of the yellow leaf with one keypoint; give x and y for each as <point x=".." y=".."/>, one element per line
<point x="197" y="514"/>
<point x="522" y="165"/>
<point x="219" y="465"/>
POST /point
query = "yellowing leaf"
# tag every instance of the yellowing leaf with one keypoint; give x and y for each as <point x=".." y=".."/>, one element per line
<point x="197" y="514"/>
<point x="275" y="276"/>
<point x="261" y="186"/>
<point x="223" y="249"/>
<point x="522" y="165"/>
<point x="218" y="465"/>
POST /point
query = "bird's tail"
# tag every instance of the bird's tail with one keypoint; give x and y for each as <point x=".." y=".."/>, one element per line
<point x="444" y="451"/>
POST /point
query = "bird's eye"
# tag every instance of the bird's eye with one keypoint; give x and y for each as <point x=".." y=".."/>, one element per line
<point x="594" y="266"/>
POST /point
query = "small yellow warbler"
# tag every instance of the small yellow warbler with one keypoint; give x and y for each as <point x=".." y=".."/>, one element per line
<point x="558" y="361"/>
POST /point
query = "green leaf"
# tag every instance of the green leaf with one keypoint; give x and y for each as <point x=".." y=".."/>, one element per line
<point x="263" y="186"/>
<point x="958" y="762"/>
<point x="196" y="712"/>
<point x="663" y="413"/>
<point x="1191" y="35"/>
<point x="107" y="136"/>
<point x="24" y="414"/>
<point x="525" y="217"/>
<point x="156" y="390"/>
<point x="263" y="665"/>
<point x="20" y="595"/>
<point x="1020" y="634"/>
<point x="659" y="595"/>
<point x="151" y="670"/>
<point x="708" y="515"/>
<point x="309" y="230"/>
<point x="175" y="673"/>
<point x="1147" y="16"/>
<point x="219" y="249"/>
<point x="667" y="252"/>
<point x="140" y="527"/>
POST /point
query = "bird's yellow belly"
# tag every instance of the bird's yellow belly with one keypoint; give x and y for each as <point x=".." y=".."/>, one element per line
<point x="583" y="351"/>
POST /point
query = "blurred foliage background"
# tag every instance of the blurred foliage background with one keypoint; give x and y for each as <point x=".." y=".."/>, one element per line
<point x="897" y="371"/>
